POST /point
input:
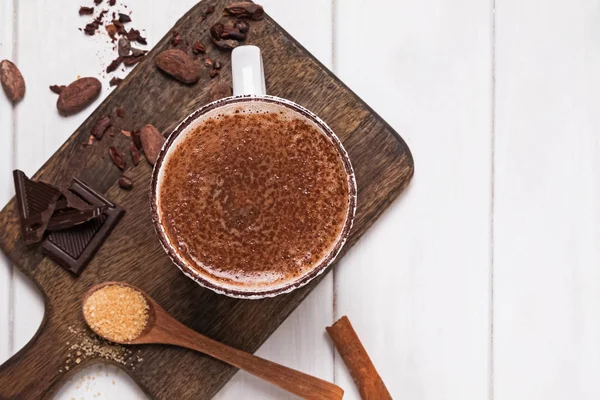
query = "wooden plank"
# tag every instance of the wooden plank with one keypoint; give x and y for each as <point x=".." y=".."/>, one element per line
<point x="546" y="220"/>
<point x="417" y="287"/>
<point x="6" y="190"/>
<point x="381" y="159"/>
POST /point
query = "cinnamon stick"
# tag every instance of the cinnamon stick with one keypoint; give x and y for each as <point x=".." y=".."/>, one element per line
<point x="366" y="377"/>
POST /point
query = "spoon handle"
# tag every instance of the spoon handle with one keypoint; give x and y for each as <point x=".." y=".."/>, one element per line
<point x="299" y="383"/>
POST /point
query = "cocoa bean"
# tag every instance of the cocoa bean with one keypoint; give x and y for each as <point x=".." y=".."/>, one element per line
<point x="78" y="95"/>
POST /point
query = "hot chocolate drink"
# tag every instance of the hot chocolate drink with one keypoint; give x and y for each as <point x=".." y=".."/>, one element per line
<point x="254" y="196"/>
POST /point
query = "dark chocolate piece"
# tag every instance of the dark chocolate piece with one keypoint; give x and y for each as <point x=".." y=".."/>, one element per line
<point x="75" y="247"/>
<point x="43" y="207"/>
<point x="68" y="218"/>
<point x="36" y="202"/>
<point x="72" y="210"/>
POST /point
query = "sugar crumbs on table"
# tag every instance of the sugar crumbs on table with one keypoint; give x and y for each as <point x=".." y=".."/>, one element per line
<point x="116" y="312"/>
<point x="89" y="346"/>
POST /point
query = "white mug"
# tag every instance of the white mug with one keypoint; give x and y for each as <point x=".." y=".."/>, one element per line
<point x="248" y="88"/>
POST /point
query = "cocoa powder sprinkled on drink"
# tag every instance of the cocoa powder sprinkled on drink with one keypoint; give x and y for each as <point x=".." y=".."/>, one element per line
<point x="116" y="312"/>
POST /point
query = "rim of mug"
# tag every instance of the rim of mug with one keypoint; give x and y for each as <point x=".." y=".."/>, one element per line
<point x="204" y="279"/>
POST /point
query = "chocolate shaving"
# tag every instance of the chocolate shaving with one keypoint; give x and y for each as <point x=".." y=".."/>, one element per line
<point x="86" y="10"/>
<point x="217" y="64"/>
<point x="101" y="126"/>
<point x="121" y="112"/>
<point x="97" y="2"/>
<point x="214" y="72"/>
<point x="57" y="88"/>
<point x="112" y="2"/>
<point x="116" y="157"/>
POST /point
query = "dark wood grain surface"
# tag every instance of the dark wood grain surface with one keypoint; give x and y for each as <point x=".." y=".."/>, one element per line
<point x="383" y="166"/>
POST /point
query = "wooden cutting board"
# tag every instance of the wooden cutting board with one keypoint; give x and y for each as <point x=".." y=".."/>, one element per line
<point x="383" y="166"/>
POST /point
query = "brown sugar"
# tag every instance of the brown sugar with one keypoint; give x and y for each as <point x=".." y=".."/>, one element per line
<point x="116" y="312"/>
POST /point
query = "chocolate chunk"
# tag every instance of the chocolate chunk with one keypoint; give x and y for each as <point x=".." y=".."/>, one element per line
<point x="111" y="30"/>
<point x="75" y="247"/>
<point x="124" y="18"/>
<point x="117" y="157"/>
<point x="124" y="47"/>
<point x="120" y="28"/>
<point x="36" y="202"/>
<point x="134" y="36"/>
<point x="115" y="81"/>
<point x="114" y="64"/>
<point x="86" y="10"/>
<point x="132" y="60"/>
<point x="101" y="126"/>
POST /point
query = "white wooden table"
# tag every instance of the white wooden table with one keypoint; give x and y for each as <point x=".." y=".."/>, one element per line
<point x="483" y="279"/>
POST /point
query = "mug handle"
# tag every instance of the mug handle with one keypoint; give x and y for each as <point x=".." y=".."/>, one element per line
<point x="247" y="71"/>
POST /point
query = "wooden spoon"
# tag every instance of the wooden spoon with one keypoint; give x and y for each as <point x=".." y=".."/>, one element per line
<point x="162" y="328"/>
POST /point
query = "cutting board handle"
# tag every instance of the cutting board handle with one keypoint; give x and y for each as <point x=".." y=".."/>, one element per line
<point x="34" y="371"/>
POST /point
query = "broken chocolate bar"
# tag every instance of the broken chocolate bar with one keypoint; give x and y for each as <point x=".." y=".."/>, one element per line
<point x="75" y="247"/>
<point x="42" y="207"/>
<point x="36" y="202"/>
